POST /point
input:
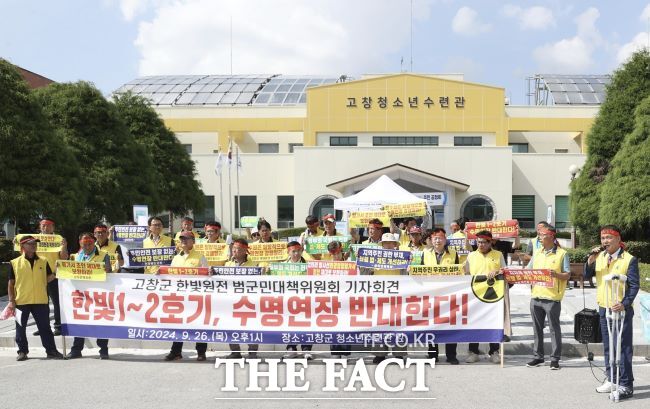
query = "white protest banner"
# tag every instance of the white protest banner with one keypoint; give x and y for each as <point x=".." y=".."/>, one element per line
<point x="281" y="310"/>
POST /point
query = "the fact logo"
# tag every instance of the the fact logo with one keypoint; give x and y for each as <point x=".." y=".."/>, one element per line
<point x="358" y="378"/>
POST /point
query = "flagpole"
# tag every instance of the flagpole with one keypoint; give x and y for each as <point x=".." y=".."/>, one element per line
<point x="238" y="195"/>
<point x="230" y="205"/>
<point x="221" y="191"/>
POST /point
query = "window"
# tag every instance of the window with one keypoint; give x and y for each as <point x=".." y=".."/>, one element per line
<point x="285" y="212"/>
<point x="404" y="140"/>
<point x="293" y="145"/>
<point x="248" y="206"/>
<point x="561" y="151"/>
<point x="562" y="211"/>
<point x="207" y="214"/>
<point x="468" y="140"/>
<point x="188" y="148"/>
<point x="478" y="208"/>
<point x="268" y="147"/>
<point x="523" y="209"/>
<point x="519" y="147"/>
<point x="343" y="141"/>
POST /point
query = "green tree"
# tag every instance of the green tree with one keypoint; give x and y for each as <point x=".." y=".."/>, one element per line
<point x="625" y="194"/>
<point x="40" y="175"/>
<point x="115" y="170"/>
<point x="630" y="84"/>
<point x="176" y="174"/>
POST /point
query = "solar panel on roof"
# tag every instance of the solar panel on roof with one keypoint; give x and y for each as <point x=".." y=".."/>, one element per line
<point x="244" y="98"/>
<point x="262" y="98"/>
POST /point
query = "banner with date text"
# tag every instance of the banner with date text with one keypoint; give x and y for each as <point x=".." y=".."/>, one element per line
<point x="280" y="309"/>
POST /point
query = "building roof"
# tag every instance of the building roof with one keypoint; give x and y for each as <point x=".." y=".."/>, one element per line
<point x="34" y="80"/>
<point x="574" y="89"/>
<point x="226" y="90"/>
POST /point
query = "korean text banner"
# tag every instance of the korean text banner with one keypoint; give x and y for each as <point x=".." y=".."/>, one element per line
<point x="361" y="219"/>
<point x="288" y="269"/>
<point x="274" y="251"/>
<point x="235" y="271"/>
<point x="128" y="234"/>
<point x="49" y="243"/>
<point x="318" y="245"/>
<point x="354" y="249"/>
<point x="498" y="228"/>
<point x="458" y="245"/>
<point x="331" y="267"/>
<point x="80" y="270"/>
<point x="450" y="269"/>
<point x="406" y="209"/>
<point x="249" y="221"/>
<point x="279" y="310"/>
<point x="157" y="256"/>
<point x="541" y="277"/>
<point x="184" y="271"/>
<point x="213" y="251"/>
<point x="383" y="258"/>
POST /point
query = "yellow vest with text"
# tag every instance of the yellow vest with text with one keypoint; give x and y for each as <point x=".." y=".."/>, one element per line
<point x="483" y="264"/>
<point x="31" y="282"/>
<point x="193" y="259"/>
<point x="449" y="257"/>
<point x="165" y="241"/>
<point x="619" y="266"/>
<point x="111" y="249"/>
<point x="550" y="261"/>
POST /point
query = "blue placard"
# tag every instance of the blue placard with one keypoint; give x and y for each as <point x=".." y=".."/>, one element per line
<point x="129" y="234"/>
<point x="383" y="258"/>
<point x="157" y="256"/>
<point x="235" y="271"/>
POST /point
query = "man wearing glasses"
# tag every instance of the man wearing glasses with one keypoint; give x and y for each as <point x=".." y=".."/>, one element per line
<point x="488" y="262"/>
<point x="155" y="240"/>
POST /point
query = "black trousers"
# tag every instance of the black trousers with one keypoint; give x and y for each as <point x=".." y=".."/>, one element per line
<point x="450" y="350"/>
<point x="41" y="314"/>
<point x="78" y="345"/>
<point x="53" y="292"/>
<point x="295" y="347"/>
<point x="177" y="347"/>
<point x="494" y="347"/>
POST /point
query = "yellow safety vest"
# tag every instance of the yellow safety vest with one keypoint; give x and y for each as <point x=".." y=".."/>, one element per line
<point x="619" y="266"/>
<point x="165" y="241"/>
<point x="448" y="257"/>
<point x="31" y="282"/>
<point x="483" y="264"/>
<point x="111" y="248"/>
<point x="550" y="261"/>
<point x="193" y="259"/>
<point x="247" y="263"/>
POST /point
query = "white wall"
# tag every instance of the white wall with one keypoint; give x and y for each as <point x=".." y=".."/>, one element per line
<point x="546" y="142"/>
<point x="365" y="138"/>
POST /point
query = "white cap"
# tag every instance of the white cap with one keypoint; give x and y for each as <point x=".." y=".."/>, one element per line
<point x="389" y="237"/>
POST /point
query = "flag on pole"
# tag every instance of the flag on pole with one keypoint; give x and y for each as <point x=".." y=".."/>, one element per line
<point x="238" y="160"/>
<point x="229" y="152"/>
<point x="218" y="164"/>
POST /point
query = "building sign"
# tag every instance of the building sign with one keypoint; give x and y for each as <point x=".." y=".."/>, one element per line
<point x="384" y="102"/>
<point x="433" y="198"/>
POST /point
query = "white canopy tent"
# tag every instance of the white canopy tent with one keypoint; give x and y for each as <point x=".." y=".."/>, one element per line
<point x="380" y="192"/>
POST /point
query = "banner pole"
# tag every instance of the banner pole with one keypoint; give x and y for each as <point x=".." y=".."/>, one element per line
<point x="238" y="195"/>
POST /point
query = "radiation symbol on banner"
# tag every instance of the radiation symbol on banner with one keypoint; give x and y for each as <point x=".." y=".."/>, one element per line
<point x="488" y="289"/>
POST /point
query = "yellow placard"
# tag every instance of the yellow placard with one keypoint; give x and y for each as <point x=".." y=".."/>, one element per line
<point x="361" y="219"/>
<point x="49" y="243"/>
<point x="445" y="270"/>
<point x="267" y="251"/>
<point x="80" y="270"/>
<point x="406" y="209"/>
<point x="213" y="251"/>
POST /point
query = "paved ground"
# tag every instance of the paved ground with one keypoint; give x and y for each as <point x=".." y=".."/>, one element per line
<point x="139" y="379"/>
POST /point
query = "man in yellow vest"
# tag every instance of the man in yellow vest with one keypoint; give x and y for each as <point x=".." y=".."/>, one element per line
<point x="313" y="229"/>
<point x="113" y="249"/>
<point x="28" y="278"/>
<point x="155" y="240"/>
<point x="389" y="241"/>
<point x="404" y="237"/>
<point x="212" y="233"/>
<point x="240" y="259"/>
<point x="46" y="226"/>
<point x="90" y="253"/>
<point x="484" y="261"/>
<point x="295" y="252"/>
<point x="441" y="255"/>
<point x="187" y="257"/>
<point x="546" y="301"/>
<point x="612" y="258"/>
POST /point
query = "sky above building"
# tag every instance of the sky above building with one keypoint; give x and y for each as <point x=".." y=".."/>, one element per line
<point x="110" y="42"/>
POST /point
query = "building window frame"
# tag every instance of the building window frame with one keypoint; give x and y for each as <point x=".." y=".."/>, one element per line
<point x="343" y="141"/>
<point x="467" y="202"/>
<point x="519" y="147"/>
<point x="246" y="212"/>
<point x="268" y="148"/>
<point x="468" y="141"/>
<point x="286" y="216"/>
<point x="393" y="140"/>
